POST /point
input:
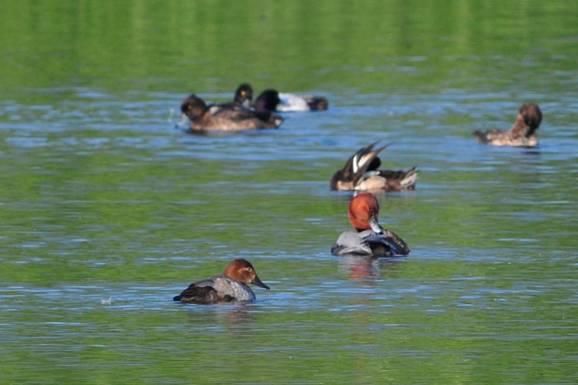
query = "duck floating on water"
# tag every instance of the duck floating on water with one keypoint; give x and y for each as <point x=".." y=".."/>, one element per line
<point x="231" y="286"/>
<point x="522" y="133"/>
<point x="361" y="173"/>
<point x="230" y="117"/>
<point x="368" y="238"/>
<point x="273" y="100"/>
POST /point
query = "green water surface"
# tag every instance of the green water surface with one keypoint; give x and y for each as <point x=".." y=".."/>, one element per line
<point x="107" y="211"/>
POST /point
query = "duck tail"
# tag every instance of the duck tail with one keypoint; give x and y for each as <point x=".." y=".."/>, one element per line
<point x="177" y="297"/>
<point x="410" y="178"/>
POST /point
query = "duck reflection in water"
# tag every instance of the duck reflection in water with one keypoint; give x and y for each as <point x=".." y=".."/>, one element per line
<point x="362" y="268"/>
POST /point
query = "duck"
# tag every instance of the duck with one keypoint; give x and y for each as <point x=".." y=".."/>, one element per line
<point x="231" y="286"/>
<point x="244" y="95"/>
<point x="368" y="238"/>
<point x="522" y="133"/>
<point x="242" y="98"/>
<point x="361" y="173"/>
<point x="273" y="100"/>
<point x="225" y="117"/>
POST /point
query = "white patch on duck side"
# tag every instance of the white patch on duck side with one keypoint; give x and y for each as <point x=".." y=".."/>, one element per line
<point x="371" y="183"/>
<point x="292" y="103"/>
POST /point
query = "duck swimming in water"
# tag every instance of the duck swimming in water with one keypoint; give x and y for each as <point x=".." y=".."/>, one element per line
<point x="368" y="238"/>
<point x="522" y="133"/>
<point x="273" y="100"/>
<point x="226" y="117"/>
<point x="231" y="286"/>
<point x="361" y="173"/>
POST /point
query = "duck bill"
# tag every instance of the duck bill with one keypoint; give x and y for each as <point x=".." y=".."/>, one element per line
<point x="375" y="226"/>
<point x="258" y="282"/>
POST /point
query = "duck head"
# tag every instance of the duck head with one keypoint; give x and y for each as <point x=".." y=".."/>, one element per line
<point x="364" y="212"/>
<point x="532" y="117"/>
<point x="193" y="107"/>
<point x="241" y="270"/>
<point x="244" y="95"/>
<point x="528" y="120"/>
<point x="267" y="101"/>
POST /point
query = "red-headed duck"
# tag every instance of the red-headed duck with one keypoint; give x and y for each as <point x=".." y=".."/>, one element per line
<point x="361" y="173"/>
<point x="226" y="117"/>
<point x="231" y="286"/>
<point x="368" y="238"/>
<point x="522" y="133"/>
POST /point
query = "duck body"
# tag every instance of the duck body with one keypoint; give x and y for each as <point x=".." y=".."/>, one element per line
<point x="230" y="117"/>
<point x="369" y="238"/>
<point x="522" y="133"/>
<point x="368" y="243"/>
<point x="216" y="289"/>
<point x="362" y="173"/>
<point x="231" y="286"/>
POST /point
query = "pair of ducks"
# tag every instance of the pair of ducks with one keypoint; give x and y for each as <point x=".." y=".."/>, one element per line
<point x="243" y="114"/>
<point x="361" y="171"/>
<point x="369" y="239"/>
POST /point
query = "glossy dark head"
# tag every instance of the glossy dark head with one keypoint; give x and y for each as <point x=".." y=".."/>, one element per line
<point x="532" y="116"/>
<point x="193" y="107"/>
<point x="241" y="270"/>
<point x="364" y="212"/>
<point x="244" y="94"/>
<point x="267" y="101"/>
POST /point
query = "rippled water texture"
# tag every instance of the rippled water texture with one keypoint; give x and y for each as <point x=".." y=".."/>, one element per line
<point x="107" y="211"/>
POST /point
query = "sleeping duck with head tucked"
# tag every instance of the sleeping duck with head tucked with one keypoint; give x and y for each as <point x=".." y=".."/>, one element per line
<point x="361" y="173"/>
<point x="230" y="117"/>
<point x="231" y="286"/>
<point x="522" y="133"/>
<point x="368" y="239"/>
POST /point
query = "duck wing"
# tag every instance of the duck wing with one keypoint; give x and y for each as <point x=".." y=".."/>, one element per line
<point x="203" y="292"/>
<point x="365" y="159"/>
<point x="387" y="239"/>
